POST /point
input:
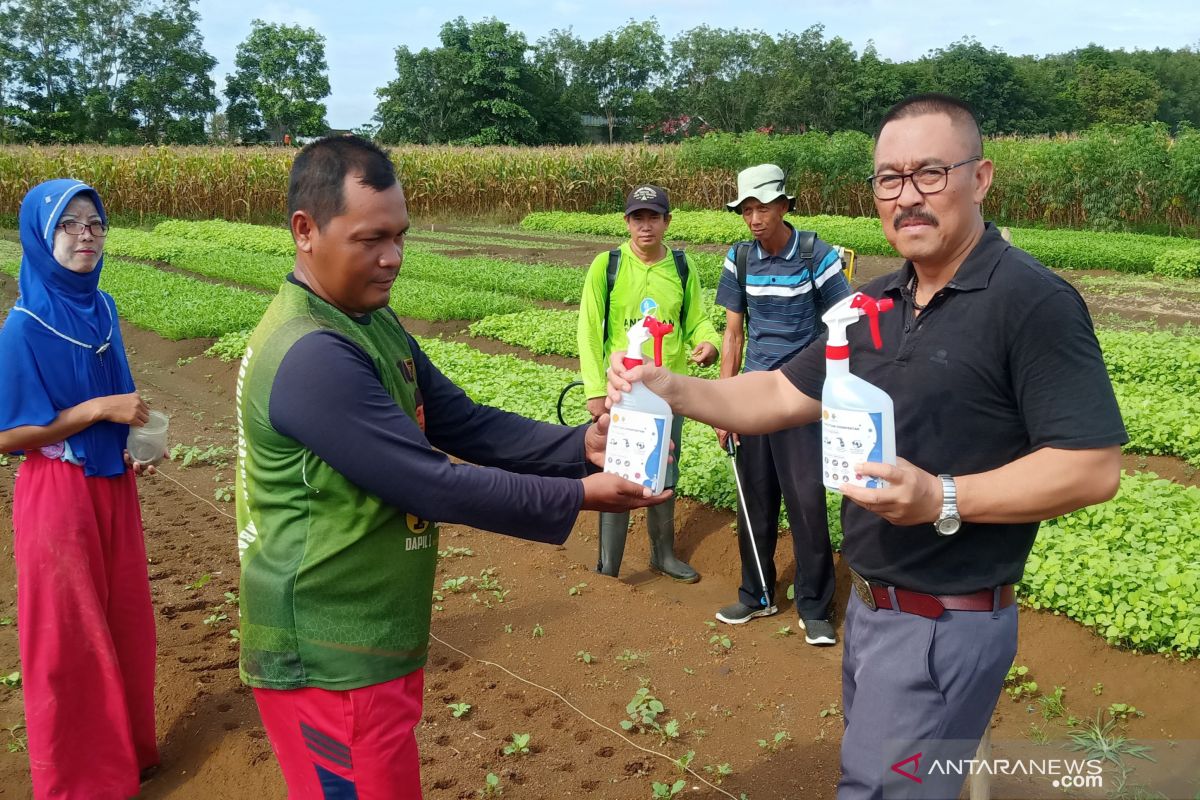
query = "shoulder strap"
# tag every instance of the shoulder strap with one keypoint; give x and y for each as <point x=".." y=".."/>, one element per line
<point x="741" y="257"/>
<point x="741" y="254"/>
<point x="681" y="266"/>
<point x="805" y="245"/>
<point x="614" y="263"/>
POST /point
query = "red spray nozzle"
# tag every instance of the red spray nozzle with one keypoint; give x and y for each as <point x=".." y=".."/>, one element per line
<point x="873" y="308"/>
<point x="658" y="330"/>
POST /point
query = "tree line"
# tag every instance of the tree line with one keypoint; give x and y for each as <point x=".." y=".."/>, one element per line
<point x="486" y="83"/>
<point x="136" y="71"/>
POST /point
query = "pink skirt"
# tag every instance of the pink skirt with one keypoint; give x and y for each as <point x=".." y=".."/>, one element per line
<point x="86" y="631"/>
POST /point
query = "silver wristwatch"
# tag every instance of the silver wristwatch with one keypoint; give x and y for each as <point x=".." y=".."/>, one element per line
<point x="948" y="522"/>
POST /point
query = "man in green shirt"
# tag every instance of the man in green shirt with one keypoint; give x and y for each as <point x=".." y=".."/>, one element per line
<point x="620" y="287"/>
<point x="340" y="489"/>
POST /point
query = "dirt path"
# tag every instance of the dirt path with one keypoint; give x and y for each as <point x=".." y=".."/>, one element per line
<point x="638" y="629"/>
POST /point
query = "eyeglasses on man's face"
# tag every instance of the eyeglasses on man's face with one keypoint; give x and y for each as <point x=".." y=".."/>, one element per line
<point x="96" y="229"/>
<point x="926" y="180"/>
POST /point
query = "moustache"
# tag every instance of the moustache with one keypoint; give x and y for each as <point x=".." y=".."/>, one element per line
<point x="914" y="214"/>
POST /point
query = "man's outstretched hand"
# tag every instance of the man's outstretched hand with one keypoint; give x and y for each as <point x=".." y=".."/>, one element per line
<point x="605" y="491"/>
<point x="596" y="439"/>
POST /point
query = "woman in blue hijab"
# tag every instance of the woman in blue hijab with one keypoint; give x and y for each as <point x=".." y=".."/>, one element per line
<point x="84" y="619"/>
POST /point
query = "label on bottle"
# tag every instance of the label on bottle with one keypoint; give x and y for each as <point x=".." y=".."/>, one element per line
<point x="638" y="447"/>
<point x="849" y="438"/>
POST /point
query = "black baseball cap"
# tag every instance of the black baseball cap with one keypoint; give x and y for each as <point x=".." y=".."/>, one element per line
<point x="649" y="197"/>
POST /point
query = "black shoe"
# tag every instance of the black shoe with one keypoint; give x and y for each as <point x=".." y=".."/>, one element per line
<point x="818" y="631"/>
<point x="737" y="613"/>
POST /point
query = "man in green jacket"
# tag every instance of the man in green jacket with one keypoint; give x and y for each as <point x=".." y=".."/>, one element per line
<point x="340" y="488"/>
<point x="620" y="287"/>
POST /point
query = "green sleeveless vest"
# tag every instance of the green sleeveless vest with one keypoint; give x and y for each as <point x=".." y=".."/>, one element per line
<point x="336" y="585"/>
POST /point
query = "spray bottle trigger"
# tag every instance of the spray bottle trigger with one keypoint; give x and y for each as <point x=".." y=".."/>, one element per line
<point x="658" y="330"/>
<point x="873" y="308"/>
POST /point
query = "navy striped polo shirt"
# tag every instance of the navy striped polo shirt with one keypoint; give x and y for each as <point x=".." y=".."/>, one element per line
<point x="785" y="313"/>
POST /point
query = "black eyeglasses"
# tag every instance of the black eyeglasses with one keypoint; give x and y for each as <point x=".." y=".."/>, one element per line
<point x="97" y="229"/>
<point x="926" y="180"/>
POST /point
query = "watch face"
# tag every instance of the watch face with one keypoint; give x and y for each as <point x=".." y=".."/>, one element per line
<point x="948" y="526"/>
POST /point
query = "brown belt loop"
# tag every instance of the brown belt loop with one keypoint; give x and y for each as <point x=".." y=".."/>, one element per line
<point x="996" y="602"/>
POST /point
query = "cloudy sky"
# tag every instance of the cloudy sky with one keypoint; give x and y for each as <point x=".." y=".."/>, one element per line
<point x="361" y="35"/>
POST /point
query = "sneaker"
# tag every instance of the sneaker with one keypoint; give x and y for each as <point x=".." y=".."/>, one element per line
<point x="737" y="613"/>
<point x="818" y="631"/>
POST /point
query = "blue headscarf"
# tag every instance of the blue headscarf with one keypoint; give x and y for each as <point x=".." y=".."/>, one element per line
<point x="44" y="372"/>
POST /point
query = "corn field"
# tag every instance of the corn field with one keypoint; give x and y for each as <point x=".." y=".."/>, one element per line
<point x="1136" y="178"/>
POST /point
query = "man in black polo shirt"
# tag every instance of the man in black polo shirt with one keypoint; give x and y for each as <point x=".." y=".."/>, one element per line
<point x="1005" y="416"/>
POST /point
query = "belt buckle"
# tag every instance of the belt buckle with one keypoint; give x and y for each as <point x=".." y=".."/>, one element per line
<point x="862" y="588"/>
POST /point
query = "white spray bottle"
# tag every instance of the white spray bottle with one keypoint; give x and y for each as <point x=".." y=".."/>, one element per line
<point x="639" y="432"/>
<point x="857" y="419"/>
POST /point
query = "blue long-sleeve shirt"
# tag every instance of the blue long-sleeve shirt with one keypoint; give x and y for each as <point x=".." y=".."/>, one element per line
<point x="327" y="395"/>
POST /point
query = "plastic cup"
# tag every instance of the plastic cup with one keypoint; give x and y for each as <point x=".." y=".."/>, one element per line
<point x="146" y="444"/>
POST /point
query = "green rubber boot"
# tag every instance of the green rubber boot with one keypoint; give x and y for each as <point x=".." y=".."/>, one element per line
<point x="660" y="524"/>
<point x="613" y="530"/>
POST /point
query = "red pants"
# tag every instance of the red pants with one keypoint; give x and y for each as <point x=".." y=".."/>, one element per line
<point x="347" y="745"/>
<point x="86" y="631"/>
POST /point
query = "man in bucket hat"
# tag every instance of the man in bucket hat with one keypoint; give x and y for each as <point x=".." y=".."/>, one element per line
<point x="774" y="290"/>
<point x="621" y="285"/>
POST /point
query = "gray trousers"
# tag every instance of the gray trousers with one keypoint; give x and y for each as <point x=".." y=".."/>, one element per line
<point x="785" y="464"/>
<point x="907" y="679"/>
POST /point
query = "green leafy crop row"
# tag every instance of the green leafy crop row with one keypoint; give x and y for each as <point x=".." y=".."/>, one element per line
<point x="454" y="237"/>
<point x="553" y="332"/>
<point x="1181" y="263"/>
<point x="543" y="331"/>
<point x="236" y="235"/>
<point x="717" y="227"/>
<point x="1160" y="422"/>
<point x="1129" y="568"/>
<point x="418" y="294"/>
<point x="1156" y="376"/>
<point x="1061" y="249"/>
<point x="245" y="267"/>
<point x="430" y="300"/>
<point x="175" y="306"/>
<point x="530" y="281"/>
<point x="1159" y="359"/>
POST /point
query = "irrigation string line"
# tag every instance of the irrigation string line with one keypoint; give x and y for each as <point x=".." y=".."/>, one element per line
<point x="592" y="720"/>
<point x="198" y="497"/>
<point x="506" y="670"/>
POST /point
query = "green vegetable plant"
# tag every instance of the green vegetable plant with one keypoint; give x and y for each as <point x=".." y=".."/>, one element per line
<point x="667" y="790"/>
<point x="719" y="772"/>
<point x="491" y="786"/>
<point x="777" y="742"/>
<point x="518" y="746"/>
<point x="1016" y="684"/>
